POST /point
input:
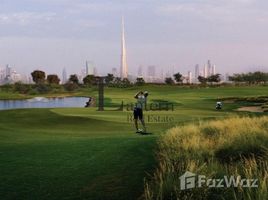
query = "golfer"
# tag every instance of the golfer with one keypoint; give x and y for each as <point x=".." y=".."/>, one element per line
<point x="138" y="112"/>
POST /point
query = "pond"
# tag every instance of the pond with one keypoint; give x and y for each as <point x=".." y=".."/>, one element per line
<point x="42" y="102"/>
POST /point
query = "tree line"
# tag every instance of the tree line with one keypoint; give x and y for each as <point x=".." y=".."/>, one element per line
<point x="51" y="82"/>
<point x="112" y="81"/>
<point x="179" y="78"/>
<point x="39" y="77"/>
<point x="250" y="78"/>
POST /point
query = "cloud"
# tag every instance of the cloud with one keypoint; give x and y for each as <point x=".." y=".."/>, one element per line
<point x="221" y="10"/>
<point x="101" y="7"/>
<point x="26" y="18"/>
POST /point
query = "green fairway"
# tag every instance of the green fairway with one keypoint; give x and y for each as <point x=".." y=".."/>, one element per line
<point x="49" y="156"/>
<point x="81" y="153"/>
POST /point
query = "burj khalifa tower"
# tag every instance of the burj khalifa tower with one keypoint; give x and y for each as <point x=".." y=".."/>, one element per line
<point x="124" y="68"/>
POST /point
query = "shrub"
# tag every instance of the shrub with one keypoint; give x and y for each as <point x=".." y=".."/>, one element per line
<point x="22" y="88"/>
<point x="169" y="81"/>
<point x="43" y="88"/>
<point x="7" y="87"/>
<point x="234" y="146"/>
<point x="140" y="81"/>
<point x="70" y="86"/>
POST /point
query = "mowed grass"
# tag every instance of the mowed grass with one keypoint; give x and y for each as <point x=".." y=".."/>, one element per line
<point x="78" y="153"/>
<point x="48" y="156"/>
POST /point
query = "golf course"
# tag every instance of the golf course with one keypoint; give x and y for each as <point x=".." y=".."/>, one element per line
<point x="82" y="153"/>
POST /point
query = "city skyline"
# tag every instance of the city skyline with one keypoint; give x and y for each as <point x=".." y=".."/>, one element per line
<point x="150" y="73"/>
<point x="52" y="35"/>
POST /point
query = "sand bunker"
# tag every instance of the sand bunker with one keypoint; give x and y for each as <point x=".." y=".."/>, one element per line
<point x="228" y="101"/>
<point x="251" y="109"/>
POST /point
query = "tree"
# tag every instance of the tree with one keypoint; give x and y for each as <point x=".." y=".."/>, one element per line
<point x="53" y="79"/>
<point x="117" y="81"/>
<point x="22" y="88"/>
<point x="169" y="81"/>
<point x="250" y="78"/>
<point x="89" y="80"/>
<point x="70" y="86"/>
<point x="43" y="88"/>
<point x="120" y="83"/>
<point x="202" y="80"/>
<point x="74" y="79"/>
<point x="109" y="78"/>
<point x="38" y="76"/>
<point x="178" y="77"/>
<point x="214" y="78"/>
<point x="236" y="78"/>
<point x="260" y="77"/>
<point x="125" y="82"/>
<point x="140" y="81"/>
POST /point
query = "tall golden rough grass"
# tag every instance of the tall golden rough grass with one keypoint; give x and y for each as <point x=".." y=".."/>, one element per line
<point x="234" y="146"/>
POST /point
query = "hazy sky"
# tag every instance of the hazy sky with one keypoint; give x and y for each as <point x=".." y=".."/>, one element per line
<point x="52" y="34"/>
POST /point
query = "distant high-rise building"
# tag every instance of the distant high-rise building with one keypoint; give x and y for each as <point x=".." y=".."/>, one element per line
<point x="227" y="77"/>
<point x="213" y="69"/>
<point x="15" y="77"/>
<point x="86" y="67"/>
<point x="151" y="73"/>
<point x="209" y="68"/>
<point x="82" y="75"/>
<point x="95" y="71"/>
<point x="64" y="76"/>
<point x="2" y="74"/>
<point x="90" y="68"/>
<point x="140" y="71"/>
<point x="197" y="72"/>
<point x="8" y="71"/>
<point x="30" y="79"/>
<point x="205" y="71"/>
<point x="189" y="78"/>
<point x="24" y="79"/>
<point x="168" y="74"/>
<point x="162" y="75"/>
<point x="9" y="75"/>
<point x="114" y="72"/>
<point x="124" y="67"/>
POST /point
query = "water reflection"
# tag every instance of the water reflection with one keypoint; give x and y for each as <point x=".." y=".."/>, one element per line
<point x="42" y="102"/>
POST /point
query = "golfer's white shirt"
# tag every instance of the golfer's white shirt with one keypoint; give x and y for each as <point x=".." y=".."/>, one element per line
<point x="141" y="101"/>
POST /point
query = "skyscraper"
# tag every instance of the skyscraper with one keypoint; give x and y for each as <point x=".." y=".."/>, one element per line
<point x="64" y="76"/>
<point x="162" y="75"/>
<point x="90" y="68"/>
<point x="197" y="72"/>
<point x="205" y="71"/>
<point x="213" y="69"/>
<point x="8" y="71"/>
<point x="189" y="78"/>
<point x="140" y="71"/>
<point x="227" y="77"/>
<point x="114" y="72"/>
<point x="2" y="75"/>
<point x="86" y="68"/>
<point x="124" y="68"/>
<point x="151" y="73"/>
<point x="209" y="68"/>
